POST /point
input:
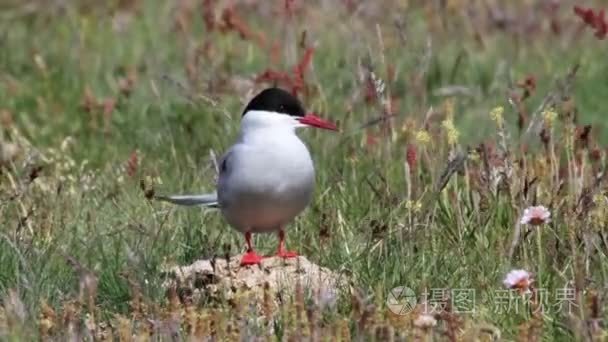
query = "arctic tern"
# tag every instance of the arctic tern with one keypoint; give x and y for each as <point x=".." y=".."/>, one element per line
<point x="267" y="177"/>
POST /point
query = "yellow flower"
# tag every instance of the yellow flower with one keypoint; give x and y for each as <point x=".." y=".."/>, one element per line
<point x="451" y="131"/>
<point x="496" y="115"/>
<point x="423" y="137"/>
<point x="449" y="106"/>
<point x="599" y="199"/>
<point x="549" y="115"/>
<point x="414" y="206"/>
<point x="474" y="155"/>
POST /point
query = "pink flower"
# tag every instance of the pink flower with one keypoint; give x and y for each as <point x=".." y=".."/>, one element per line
<point x="425" y="321"/>
<point x="536" y="216"/>
<point x="518" y="279"/>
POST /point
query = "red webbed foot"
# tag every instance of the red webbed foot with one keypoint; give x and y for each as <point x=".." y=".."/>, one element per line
<point x="282" y="253"/>
<point x="251" y="258"/>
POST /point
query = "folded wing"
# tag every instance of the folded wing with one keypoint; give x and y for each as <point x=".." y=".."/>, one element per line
<point x="206" y="200"/>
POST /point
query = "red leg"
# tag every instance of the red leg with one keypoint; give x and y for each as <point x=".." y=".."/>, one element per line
<point x="251" y="257"/>
<point x="282" y="252"/>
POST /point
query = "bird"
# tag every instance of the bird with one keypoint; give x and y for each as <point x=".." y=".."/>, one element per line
<point x="267" y="177"/>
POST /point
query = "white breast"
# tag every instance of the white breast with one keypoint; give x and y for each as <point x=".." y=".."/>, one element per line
<point x="267" y="179"/>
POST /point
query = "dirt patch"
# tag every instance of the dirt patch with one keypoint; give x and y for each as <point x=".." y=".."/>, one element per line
<point x="222" y="278"/>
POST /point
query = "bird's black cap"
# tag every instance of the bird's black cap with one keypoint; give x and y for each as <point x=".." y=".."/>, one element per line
<point x="276" y="100"/>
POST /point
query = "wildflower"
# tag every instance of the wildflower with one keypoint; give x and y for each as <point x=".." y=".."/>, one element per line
<point x="496" y="115"/>
<point x="449" y="106"/>
<point x="411" y="156"/>
<point x="451" y="131"/>
<point x="46" y="320"/>
<point x="132" y="164"/>
<point x="474" y="156"/>
<point x="425" y="321"/>
<point x="536" y="216"/>
<point x="595" y="19"/>
<point x="549" y="115"/>
<point x="379" y="85"/>
<point x="519" y="280"/>
<point x="40" y="63"/>
<point x="67" y="143"/>
<point x="153" y="180"/>
<point x="599" y="200"/>
<point x="414" y="206"/>
<point x="327" y="298"/>
<point x="423" y="137"/>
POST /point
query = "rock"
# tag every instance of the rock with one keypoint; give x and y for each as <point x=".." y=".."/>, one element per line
<point x="221" y="278"/>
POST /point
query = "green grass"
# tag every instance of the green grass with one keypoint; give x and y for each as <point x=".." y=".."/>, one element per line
<point x="457" y="240"/>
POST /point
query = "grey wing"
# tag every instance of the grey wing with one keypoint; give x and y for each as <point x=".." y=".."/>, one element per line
<point x="206" y="200"/>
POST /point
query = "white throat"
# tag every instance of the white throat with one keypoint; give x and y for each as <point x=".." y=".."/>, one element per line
<point x="255" y="120"/>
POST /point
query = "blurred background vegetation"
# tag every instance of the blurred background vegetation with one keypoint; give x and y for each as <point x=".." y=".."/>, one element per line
<point x="104" y="103"/>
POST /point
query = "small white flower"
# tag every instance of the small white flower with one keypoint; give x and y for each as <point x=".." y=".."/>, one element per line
<point x="378" y="84"/>
<point x="425" y="321"/>
<point x="327" y="298"/>
<point x="536" y="216"/>
<point x="518" y="279"/>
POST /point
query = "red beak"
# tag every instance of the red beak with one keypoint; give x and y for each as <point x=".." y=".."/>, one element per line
<point x="312" y="120"/>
